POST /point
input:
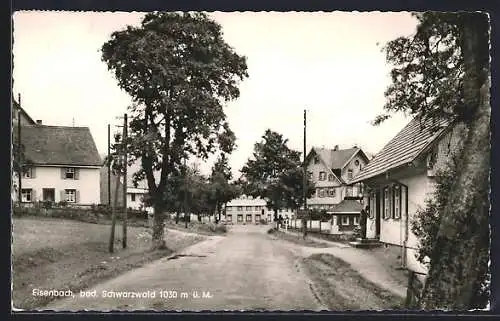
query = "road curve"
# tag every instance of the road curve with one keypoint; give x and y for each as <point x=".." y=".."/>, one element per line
<point x="244" y="270"/>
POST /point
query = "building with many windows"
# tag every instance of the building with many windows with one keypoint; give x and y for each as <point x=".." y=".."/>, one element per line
<point x="249" y="210"/>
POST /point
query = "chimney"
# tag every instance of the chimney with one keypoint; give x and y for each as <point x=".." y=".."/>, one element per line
<point x="38" y="121"/>
<point x="336" y="148"/>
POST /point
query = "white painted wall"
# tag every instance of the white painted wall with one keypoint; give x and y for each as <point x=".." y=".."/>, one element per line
<point x="88" y="183"/>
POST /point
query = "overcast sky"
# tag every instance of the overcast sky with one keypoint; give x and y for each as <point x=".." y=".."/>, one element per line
<point x="328" y="63"/>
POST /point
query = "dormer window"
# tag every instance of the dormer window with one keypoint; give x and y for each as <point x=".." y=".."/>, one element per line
<point x="322" y="176"/>
<point x="316" y="160"/>
<point x="69" y="173"/>
<point x="349" y="174"/>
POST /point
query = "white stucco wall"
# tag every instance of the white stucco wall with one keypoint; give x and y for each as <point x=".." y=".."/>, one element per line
<point x="315" y="169"/>
<point x="87" y="184"/>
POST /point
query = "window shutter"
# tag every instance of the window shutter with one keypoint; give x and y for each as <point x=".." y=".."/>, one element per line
<point x="77" y="196"/>
<point x="77" y="173"/>
<point x="33" y="195"/>
<point x="33" y="172"/>
<point x="393" y="198"/>
<point x="62" y="196"/>
<point x="63" y="172"/>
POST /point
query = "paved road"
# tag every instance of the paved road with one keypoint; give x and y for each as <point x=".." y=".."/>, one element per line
<point x="244" y="270"/>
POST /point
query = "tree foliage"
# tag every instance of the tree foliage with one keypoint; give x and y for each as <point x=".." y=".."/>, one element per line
<point x="275" y="173"/>
<point x="180" y="73"/>
<point x="443" y="71"/>
<point x="221" y="189"/>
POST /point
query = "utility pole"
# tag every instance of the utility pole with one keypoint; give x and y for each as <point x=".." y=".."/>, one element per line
<point x="125" y="165"/>
<point x="185" y="194"/>
<point x="109" y="165"/>
<point x="304" y="165"/>
<point x="113" y="212"/>
<point x="19" y="156"/>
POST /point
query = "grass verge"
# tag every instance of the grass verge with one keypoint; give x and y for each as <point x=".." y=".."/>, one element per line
<point x="65" y="254"/>
<point x="341" y="288"/>
<point x="297" y="239"/>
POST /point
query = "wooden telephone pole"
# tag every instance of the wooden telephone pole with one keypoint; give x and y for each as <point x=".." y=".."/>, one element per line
<point x="125" y="165"/>
<point x="109" y="165"/>
<point x="304" y="165"/>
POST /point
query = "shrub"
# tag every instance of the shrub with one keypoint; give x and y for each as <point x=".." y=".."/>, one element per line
<point x="262" y="221"/>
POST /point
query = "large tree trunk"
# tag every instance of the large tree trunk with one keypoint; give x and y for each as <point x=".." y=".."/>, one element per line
<point x="158" y="241"/>
<point x="459" y="261"/>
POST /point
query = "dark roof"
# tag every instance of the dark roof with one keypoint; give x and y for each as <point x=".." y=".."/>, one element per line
<point x="405" y="147"/>
<point x="348" y="206"/>
<point x="335" y="158"/>
<point x="16" y="106"/>
<point x="58" y="145"/>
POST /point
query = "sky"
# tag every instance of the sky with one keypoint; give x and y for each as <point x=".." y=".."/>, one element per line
<point x="328" y="63"/>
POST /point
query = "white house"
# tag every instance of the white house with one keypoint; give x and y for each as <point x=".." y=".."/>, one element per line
<point x="329" y="170"/>
<point x="400" y="178"/>
<point x="65" y="167"/>
<point x="249" y="210"/>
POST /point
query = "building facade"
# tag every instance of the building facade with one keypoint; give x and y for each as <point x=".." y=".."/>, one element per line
<point x="330" y="170"/>
<point x="249" y="210"/>
<point x="65" y="165"/>
<point x="400" y="179"/>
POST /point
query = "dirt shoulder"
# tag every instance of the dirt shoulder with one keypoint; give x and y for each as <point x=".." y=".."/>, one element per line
<point x="340" y="287"/>
<point x="295" y="239"/>
<point x="70" y="255"/>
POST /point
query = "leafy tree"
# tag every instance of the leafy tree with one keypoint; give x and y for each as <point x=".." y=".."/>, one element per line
<point x="221" y="190"/>
<point x="275" y="173"/>
<point x="180" y="73"/>
<point x="443" y="71"/>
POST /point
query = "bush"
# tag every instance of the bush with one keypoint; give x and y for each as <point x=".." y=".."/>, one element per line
<point x="262" y="221"/>
<point x="272" y="230"/>
<point x="217" y="228"/>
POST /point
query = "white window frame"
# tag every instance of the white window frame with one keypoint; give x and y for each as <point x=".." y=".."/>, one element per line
<point x="69" y="170"/>
<point x="25" y="192"/>
<point x="356" y="220"/>
<point x="229" y="217"/>
<point x="70" y="195"/>
<point x="397" y="201"/>
<point x="373" y="204"/>
<point x="132" y="197"/>
<point x="248" y="208"/>
<point x="240" y="208"/>
<point x="248" y="216"/>
<point x="239" y="218"/>
<point x="322" y="176"/>
<point x="331" y="178"/>
<point x="257" y="217"/>
<point x="310" y="175"/>
<point x="346" y="218"/>
<point x="349" y="191"/>
<point x="350" y="174"/>
<point x="332" y="192"/>
<point x="387" y="203"/>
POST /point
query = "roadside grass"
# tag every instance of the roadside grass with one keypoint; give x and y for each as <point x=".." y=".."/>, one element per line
<point x="296" y="239"/>
<point x="198" y="227"/>
<point x="341" y="288"/>
<point x="66" y="254"/>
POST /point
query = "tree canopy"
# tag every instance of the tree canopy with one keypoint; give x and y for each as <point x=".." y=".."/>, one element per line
<point x="180" y="73"/>
<point x="275" y="173"/>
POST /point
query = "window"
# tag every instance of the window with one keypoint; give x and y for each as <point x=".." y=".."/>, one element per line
<point x="356" y="162"/>
<point x="229" y="218"/>
<point x="348" y="191"/>
<point x="28" y="173"/>
<point x="321" y="192"/>
<point x="49" y="194"/>
<point x="356" y="220"/>
<point x="372" y="203"/>
<point x="229" y="208"/>
<point x="240" y="217"/>
<point x="70" y="195"/>
<point x="397" y="201"/>
<point x="240" y="208"/>
<point x="309" y="175"/>
<point x="249" y="217"/>
<point x="330" y="177"/>
<point x="322" y="176"/>
<point x="344" y="220"/>
<point x="257" y="218"/>
<point x="387" y="204"/>
<point x="316" y="160"/>
<point x="132" y="197"/>
<point x="69" y="173"/>
<point x="27" y="195"/>
<point x="256" y="208"/>
<point x="331" y="192"/>
<point x="249" y="208"/>
<point x="349" y="174"/>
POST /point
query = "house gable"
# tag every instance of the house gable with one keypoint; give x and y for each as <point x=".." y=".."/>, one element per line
<point x="322" y="165"/>
<point x="414" y="139"/>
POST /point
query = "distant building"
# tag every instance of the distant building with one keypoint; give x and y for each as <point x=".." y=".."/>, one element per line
<point x="249" y="210"/>
<point x="330" y="170"/>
